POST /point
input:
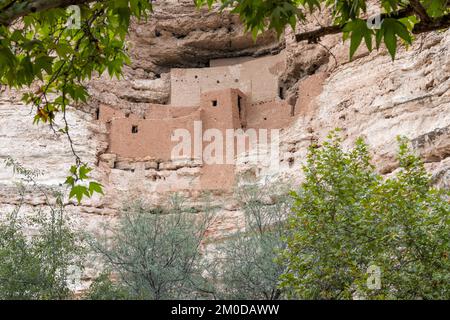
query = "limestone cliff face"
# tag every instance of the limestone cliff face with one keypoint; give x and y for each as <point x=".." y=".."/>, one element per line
<point x="377" y="99"/>
<point x="371" y="96"/>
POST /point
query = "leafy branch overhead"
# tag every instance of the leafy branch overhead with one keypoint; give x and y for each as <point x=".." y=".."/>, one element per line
<point x="399" y="19"/>
<point x="41" y="51"/>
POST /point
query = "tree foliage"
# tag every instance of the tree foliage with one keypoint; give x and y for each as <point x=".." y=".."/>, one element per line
<point x="156" y="253"/>
<point x="104" y="288"/>
<point x="38" y="254"/>
<point x="399" y="19"/>
<point x="247" y="266"/>
<point x="54" y="59"/>
<point x="348" y="218"/>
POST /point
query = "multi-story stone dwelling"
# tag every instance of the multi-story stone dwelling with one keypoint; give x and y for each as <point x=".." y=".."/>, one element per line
<point x="241" y="94"/>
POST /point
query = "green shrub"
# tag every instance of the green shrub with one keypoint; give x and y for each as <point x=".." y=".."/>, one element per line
<point x="38" y="254"/>
<point x="103" y="288"/>
<point x="157" y="253"/>
<point x="37" y="266"/>
<point x="348" y="218"/>
<point x="247" y="268"/>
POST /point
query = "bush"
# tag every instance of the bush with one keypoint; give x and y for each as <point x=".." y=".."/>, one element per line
<point x="248" y="269"/>
<point x="103" y="288"/>
<point x="37" y="266"/>
<point x="157" y="253"/>
<point x="39" y="254"/>
<point x="349" y="224"/>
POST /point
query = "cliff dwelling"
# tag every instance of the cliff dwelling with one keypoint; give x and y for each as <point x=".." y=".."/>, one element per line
<point x="241" y="94"/>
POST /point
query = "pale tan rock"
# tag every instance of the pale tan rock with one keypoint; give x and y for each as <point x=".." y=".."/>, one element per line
<point x="109" y="159"/>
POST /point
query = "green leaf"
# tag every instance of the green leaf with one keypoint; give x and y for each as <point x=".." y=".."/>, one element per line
<point x="435" y="8"/>
<point x="391" y="42"/>
<point x="73" y="170"/>
<point x="95" y="187"/>
<point x="379" y="37"/>
<point x="357" y="30"/>
<point x="78" y="192"/>
<point x="83" y="172"/>
<point x="70" y="181"/>
<point x="355" y="41"/>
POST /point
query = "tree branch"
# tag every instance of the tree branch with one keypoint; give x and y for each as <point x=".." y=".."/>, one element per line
<point x="20" y="9"/>
<point x="315" y="35"/>
<point x="420" y="11"/>
<point x="436" y="24"/>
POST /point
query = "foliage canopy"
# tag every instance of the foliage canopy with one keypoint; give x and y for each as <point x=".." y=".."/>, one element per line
<point x="347" y="219"/>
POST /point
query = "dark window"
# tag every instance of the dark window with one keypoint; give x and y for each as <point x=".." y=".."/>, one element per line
<point x="240" y="106"/>
<point x="97" y="114"/>
<point x="157" y="33"/>
<point x="214" y="103"/>
<point x="134" y="129"/>
<point x="281" y="92"/>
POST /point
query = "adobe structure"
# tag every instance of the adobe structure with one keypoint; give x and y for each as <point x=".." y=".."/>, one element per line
<point x="237" y="93"/>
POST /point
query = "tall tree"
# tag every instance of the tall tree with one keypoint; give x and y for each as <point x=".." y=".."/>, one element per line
<point x="356" y="234"/>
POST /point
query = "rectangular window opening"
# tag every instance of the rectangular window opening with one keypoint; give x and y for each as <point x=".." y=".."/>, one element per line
<point x="134" y="129"/>
<point x="214" y="103"/>
<point x="281" y="92"/>
<point x="240" y="106"/>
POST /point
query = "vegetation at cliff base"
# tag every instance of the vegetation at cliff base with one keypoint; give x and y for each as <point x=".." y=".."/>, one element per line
<point x="154" y="252"/>
<point x="350" y="225"/>
<point x="41" y="253"/>
<point x="345" y="233"/>
<point x="247" y="268"/>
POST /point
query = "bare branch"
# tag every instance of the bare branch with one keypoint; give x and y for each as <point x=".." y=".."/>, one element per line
<point x="315" y="35"/>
